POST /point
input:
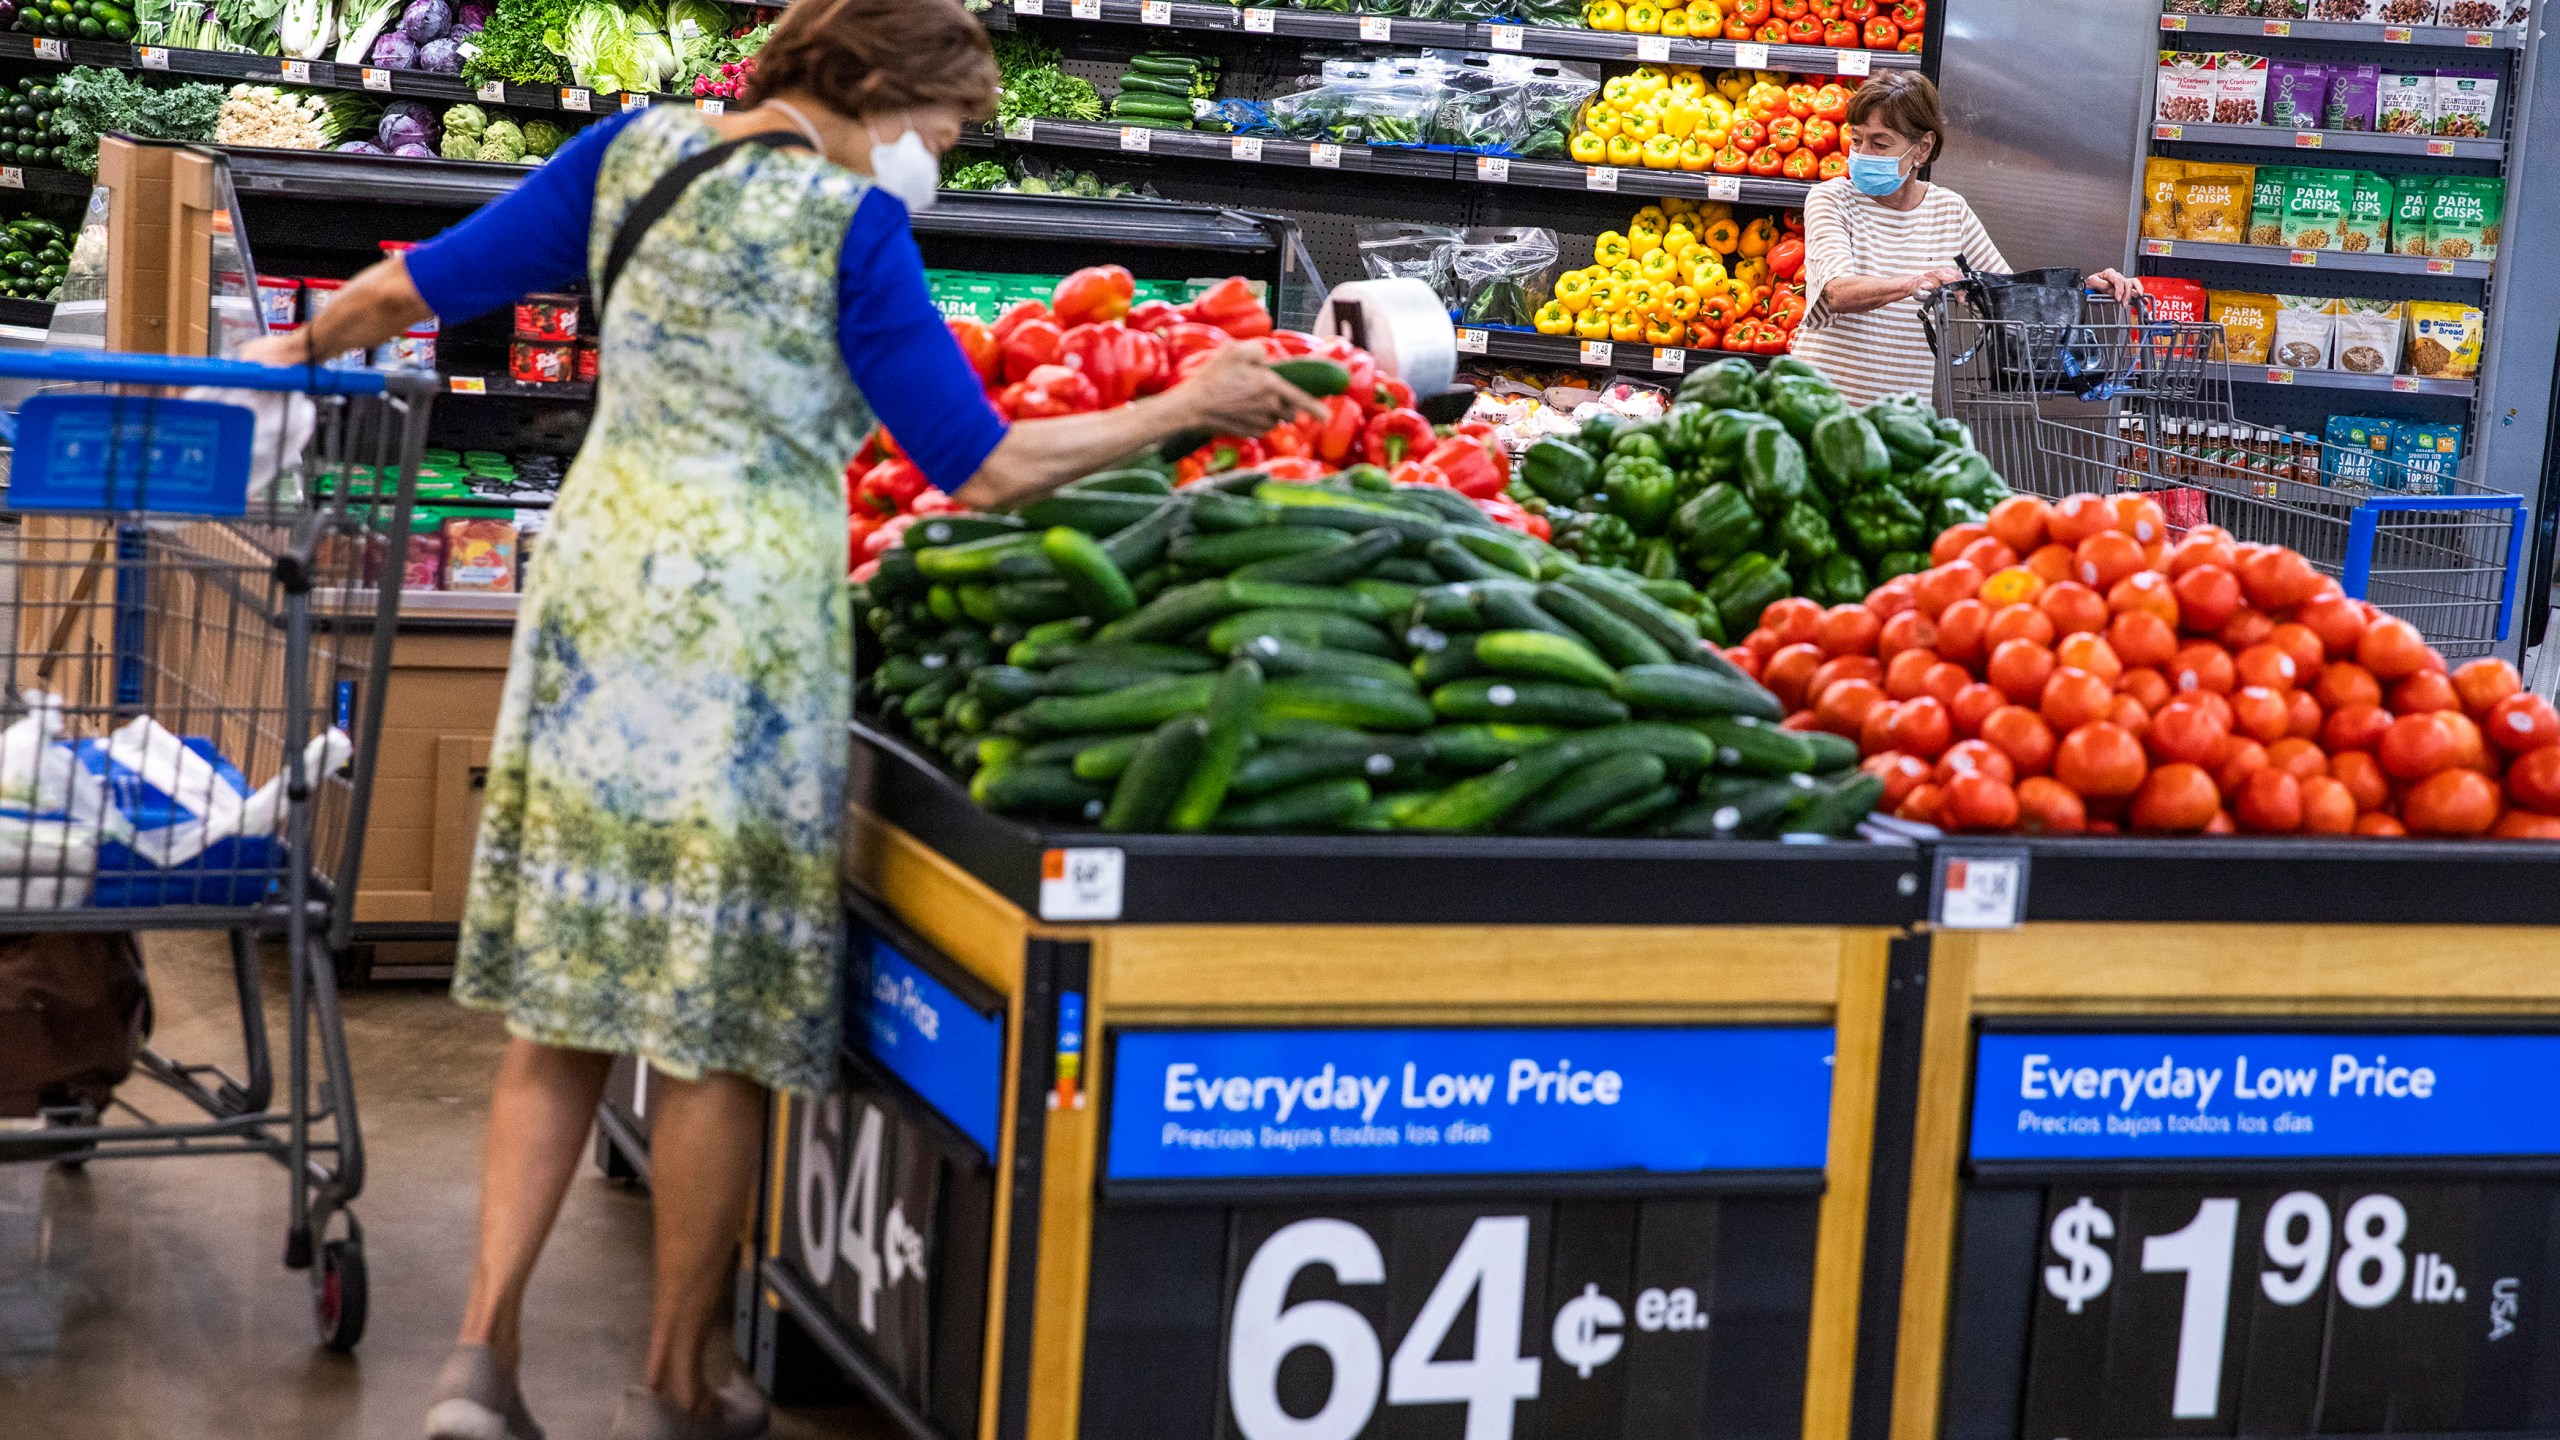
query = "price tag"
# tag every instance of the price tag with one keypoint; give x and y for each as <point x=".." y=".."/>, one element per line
<point x="56" y="50"/>
<point x="2168" y="132"/>
<point x="1085" y="9"/>
<point x="12" y="178"/>
<point x="1596" y="352"/>
<point x="296" y="71"/>
<point x="709" y="106"/>
<point x="466" y="384"/>
<point x="2303" y="259"/>
<point x="1325" y="155"/>
<point x="492" y="92"/>
<point x="1751" y="56"/>
<point x="1724" y="187"/>
<point x="2407" y="384"/>
<point x="1493" y="170"/>
<point x="579" y="100"/>
<point x="152" y="57"/>
<point x="2478" y="39"/>
<point x="1151" y="12"/>
<point x="2173" y="22"/>
<point x="1026" y="7"/>
<point x="1136" y="137"/>
<point x="1258" y="22"/>
<point x="2276" y="28"/>
<point x="375" y="79"/>
<point x="1652" y="49"/>
<point x="1247" y="148"/>
<point x="1505" y="37"/>
<point x="1671" y="362"/>
<point x="634" y="100"/>
<point x="1852" y="62"/>
<point x="2440" y="267"/>
<point x="2439" y="147"/>
<point x="2279" y="377"/>
<point x="2308" y="140"/>
<point x="1601" y="177"/>
<point x="2398" y="35"/>
<point x="1082" y="884"/>
<point x="1377" y="27"/>
<point x="1470" y="342"/>
<point x="1981" y="891"/>
<point x="1019" y="128"/>
<point x="2159" y="247"/>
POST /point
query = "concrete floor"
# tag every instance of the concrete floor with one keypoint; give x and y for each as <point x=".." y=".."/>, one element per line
<point x="145" y="1300"/>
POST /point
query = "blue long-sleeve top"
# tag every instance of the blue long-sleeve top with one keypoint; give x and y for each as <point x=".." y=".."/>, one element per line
<point x="894" y="343"/>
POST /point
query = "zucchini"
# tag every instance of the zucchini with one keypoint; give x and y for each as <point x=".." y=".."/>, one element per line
<point x="972" y="559"/>
<point x="1089" y="573"/>
<point x="1351" y="700"/>
<point x="1175" y="613"/>
<point x="1335" y="565"/>
<point x="1020" y="789"/>
<point x="1457" y="562"/>
<point x="1454" y="658"/>
<point x="1147" y="104"/>
<point x="1481" y="747"/>
<point x="1685" y="750"/>
<point x="1573" y="801"/>
<point x="1537" y="655"/>
<point x="1234" y="549"/>
<point x="1609" y="633"/>
<point x="1316" y="376"/>
<point x="1734" y="806"/>
<point x="1140" y="546"/>
<point x="1155" y="775"/>
<point x="1480" y="803"/>
<point x="1095" y="512"/>
<point x="1134" y="708"/>
<point x="1692" y="692"/>
<point x="1837" y="806"/>
<point x="1104" y="760"/>
<point x="1323" y="805"/>
<point x="1661" y="800"/>
<point x="958" y="530"/>
<point x="1279" y="655"/>
<point x="1533" y="702"/>
<point x="1234" y="709"/>
<point x="1500" y="548"/>
<point x="1513" y="605"/>
<point x="1748" y="743"/>
<point x="1307" y="627"/>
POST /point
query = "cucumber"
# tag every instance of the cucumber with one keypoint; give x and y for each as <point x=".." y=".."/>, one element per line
<point x="959" y="530"/>
<point x="1694" y="692"/>
<point x="1123" y="655"/>
<point x="994" y="752"/>
<point x="1837" y="807"/>
<point x="1095" y="678"/>
<point x="1020" y="789"/>
<point x="1028" y="602"/>
<point x="1228" y="482"/>
<point x="1089" y="572"/>
<point x="1606" y="631"/>
<point x="1337" y="565"/>
<point x="1683" y="749"/>
<point x="1155" y="775"/>
<point x="1404" y="569"/>
<point x="970" y="560"/>
<point x="1134" y="708"/>
<point x="1261" y="595"/>
<point x="1376" y="759"/>
<point x="1391" y="811"/>
<point x="1061" y="751"/>
<point x="897" y="578"/>
<point x="1003" y="687"/>
<point x="1234" y="708"/>
<point x="1446" y="608"/>
<point x="1047" y="644"/>
<point x="1323" y="805"/>
<point x="1513" y="605"/>
<point x="1216" y="512"/>
<point x="1748" y="743"/>
<point x="1454" y="658"/>
<point x="1278" y="655"/>
<point x="1393" y="596"/>
<point x="1319" y="378"/>
<point x="1736" y="806"/>
<point x="900" y="674"/>
<point x="1500" y="548"/>
<point x="1537" y="655"/>
<point x="1024" y="564"/>
<point x="977" y="602"/>
<point x="1350" y="700"/>
<point x="1532" y="702"/>
<point x="1104" y="760"/>
<point x="1175" y="613"/>
<point x="927" y="700"/>
<point x="1457" y="562"/>
<point x="1676" y="633"/>
<point x="1448" y="504"/>
<point x="1831" y="752"/>
<point x="1571" y="802"/>
<point x="1307" y="627"/>
<point x="1480" y="803"/>
<point x="1659" y="801"/>
<point x="1140" y="546"/>
<point x="1123" y="482"/>
<point x="1341" y="510"/>
<point x="1481" y="747"/>
<point x="1095" y="513"/>
<point x="1233" y="549"/>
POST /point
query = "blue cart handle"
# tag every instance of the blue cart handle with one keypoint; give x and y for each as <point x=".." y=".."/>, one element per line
<point x="118" y="368"/>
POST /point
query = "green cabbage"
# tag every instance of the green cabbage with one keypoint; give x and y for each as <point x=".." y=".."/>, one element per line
<point x="502" y="142"/>
<point x="611" y="49"/>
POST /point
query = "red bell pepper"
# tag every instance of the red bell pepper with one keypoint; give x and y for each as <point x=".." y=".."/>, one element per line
<point x="1390" y="394"/>
<point x="1789" y="9"/>
<point x="1296" y="469"/>
<point x="978" y="343"/>
<point x="1909" y="15"/>
<point x="1097" y="292"/>
<point x="1051" y="390"/>
<point x="1337" y="439"/>
<point x="1731" y="161"/>
<point x="863" y="572"/>
<point x="1015" y="316"/>
<point x="1861" y="11"/>
<point x="1461" y="463"/>
<point x="1231" y="306"/>
<point x="1390" y="435"/>
<point x="1767" y="160"/>
<point x="885" y="488"/>
<point x="1286" y="439"/>
<point x="1913" y="44"/>
<point x="1800" y="165"/>
<point x="1786" y="134"/>
<point x="1840" y="34"/>
<point x="1881" y="34"/>
<point x="1227" y="452"/>
<point x="1772" y="33"/>
<point x="1122" y="363"/>
<point x="1786" y="258"/>
<point x="1746" y="135"/>
<point x="885" y="537"/>
<point x="1831" y="102"/>
<point x="1510" y="516"/>
<point x="1822" y="136"/>
<point x="1153" y="315"/>
<point x="1293" y="343"/>
<point x="1804" y="30"/>
<point x="1032" y="344"/>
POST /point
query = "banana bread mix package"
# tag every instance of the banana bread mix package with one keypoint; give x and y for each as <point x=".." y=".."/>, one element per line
<point x="2410" y="201"/>
<point x="2315" y="208"/>
<point x="2160" y="177"/>
<point x="2213" y="203"/>
<point x="2369" y="210"/>
<point x="2266" y="204"/>
<point x="2444" y="339"/>
<point x="2248" y="322"/>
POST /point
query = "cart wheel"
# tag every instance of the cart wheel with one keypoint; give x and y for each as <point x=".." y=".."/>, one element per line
<point x="338" y="1295"/>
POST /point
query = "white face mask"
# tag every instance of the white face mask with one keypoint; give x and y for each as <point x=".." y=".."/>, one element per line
<point x="906" y="169"/>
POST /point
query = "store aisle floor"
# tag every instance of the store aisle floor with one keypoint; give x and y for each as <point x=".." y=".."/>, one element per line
<point x="145" y="1300"/>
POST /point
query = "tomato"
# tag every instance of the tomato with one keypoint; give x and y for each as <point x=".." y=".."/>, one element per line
<point x="2074" y="697"/>
<point x="2105" y="558"/>
<point x="2130" y="713"/>
<point x="2146" y="590"/>
<point x="2393" y="649"/>
<point x="2046" y="806"/>
<point x="2415" y="746"/>
<point x="2267" y="665"/>
<point x="2011" y="585"/>
<point x="2220" y="824"/>
<point x="2259" y="713"/>
<point x="2019" y="522"/>
<point x="1909" y="630"/>
<point x="2302" y="714"/>
<point x="2018" y="622"/>
<point x="2302" y="643"/>
<point x="2146" y="685"/>
<point x="2074" y="607"/>
<point x="2337" y="620"/>
<point x="1795" y="620"/>
<point x="2019" y="669"/>
<point x="1961" y="628"/>
<point x="1973" y="704"/>
<point x="2208" y="596"/>
<point x="1966" y="756"/>
<point x="2451" y="802"/>
<point x="1798" y="720"/>
<point x="1945" y="680"/>
<point x="2245" y="628"/>
<point x="1763" y="642"/>
<point x="1921" y="727"/>
<point x="2522" y="722"/>
<point x="1921" y="804"/>
<point x="2470" y="750"/>
<point x="1978" y="802"/>
<point x="2377" y="825"/>
<point x="1904" y="674"/>
<point x="2278" y="579"/>
<point x="1952" y="540"/>
<point x="2091" y="652"/>
<point x="2301" y="757"/>
<point x="2354" y="727"/>
<point x="2244" y="759"/>
<point x="1789" y="672"/>
<point x="2187" y="730"/>
<point x="2344" y="683"/>
<point x="2525" y="825"/>
<point x="2175" y="799"/>
<point x="2078" y="517"/>
<point x="2202" y="665"/>
<point x="1892" y="597"/>
<point x="1843" y="708"/>
<point x="2051" y="564"/>
<point x="1745" y="659"/>
<point x="1944" y="585"/>
<point x="2534" y="780"/>
<point x="2022" y="735"/>
<point x="1990" y="556"/>
<point x="1848" y="630"/>
<point x="2100" y="761"/>
<point x="1875" y="733"/>
<point x="1839" y="668"/>
<point x="2139" y="639"/>
<point x="2483" y="683"/>
<point x="2327" y="808"/>
<point x="2426" y="690"/>
<point x="1899" y="773"/>
<point x="2269" y="803"/>
<point x="2201" y="549"/>
<point x="2363" y="777"/>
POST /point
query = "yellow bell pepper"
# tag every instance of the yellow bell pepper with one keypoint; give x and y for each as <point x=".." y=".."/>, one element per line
<point x="1609" y="247"/>
<point x="1675" y="206"/>
<point x="1605" y="15"/>
<point x="1705" y="17"/>
<point x="1679" y="239"/>
<point x="1573" y="292"/>
<point x="1658" y="331"/>
<point x="1626" y="270"/>
<point x="1643" y="236"/>
<point x="1697" y="154"/>
<point x="1682" y="302"/>
<point x="1588" y="149"/>
<point x="1763" y="94"/>
<point x="1660" y="265"/>
<point x="1774" y="79"/>
<point x="1636" y="297"/>
<point x="1655" y="217"/>
<point x="1753" y="271"/>
<point x="1641" y="125"/>
<point x="1706" y="273"/>
<point x="1722" y="235"/>
<point x="1626" y="152"/>
<point x="1733" y="84"/>
<point x="1649" y="80"/>
<point x="1619" y="90"/>
<point x="1592" y="324"/>
<point x="1689" y="84"/>
<point x="1680" y="117"/>
<point x="1644" y="17"/>
<point x="1675" y="24"/>
<point x="1712" y="210"/>
<point x="1627" y="329"/>
<point x="1604" y="294"/>
<point x="1759" y="235"/>
<point x="1719" y="113"/>
<point x="1552" y="319"/>
<point x="1662" y="152"/>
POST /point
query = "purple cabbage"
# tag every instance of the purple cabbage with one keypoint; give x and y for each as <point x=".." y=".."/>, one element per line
<point x="415" y="152"/>
<point x="442" y="57"/>
<point x="472" y="15"/>
<point x="359" y="147"/>
<point x="405" y="122"/>
<point x="395" y="51"/>
<point x="426" y="20"/>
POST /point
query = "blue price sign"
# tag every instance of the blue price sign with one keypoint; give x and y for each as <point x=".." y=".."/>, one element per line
<point x="120" y="454"/>
<point x="919" y="1030"/>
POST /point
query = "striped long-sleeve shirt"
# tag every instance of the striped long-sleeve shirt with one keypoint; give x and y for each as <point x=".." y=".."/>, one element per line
<point x="1846" y="233"/>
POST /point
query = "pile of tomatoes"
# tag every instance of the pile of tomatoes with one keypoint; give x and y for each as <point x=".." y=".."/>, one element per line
<point x="2073" y="668"/>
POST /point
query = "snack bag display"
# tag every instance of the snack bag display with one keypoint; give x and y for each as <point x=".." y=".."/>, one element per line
<point x="2358" y="452"/>
<point x="2266" y="204"/>
<point x="2187" y="88"/>
<point x="2239" y="88"/>
<point x="2408" y="103"/>
<point x="2179" y="302"/>
<point x="2297" y="91"/>
<point x="2353" y="97"/>
<point x="2213" y="203"/>
<point x="2410" y="204"/>
<point x="2248" y="322"/>
<point x="2370" y="205"/>
<point x="2444" y="339"/>
<point x="2367" y="335"/>
<point x="2426" y="456"/>
<point x="2466" y="103"/>
<point x="2304" y="324"/>
<point x="2463" y="218"/>
<point x="2315" y="208"/>
<point x="2160" y="179"/>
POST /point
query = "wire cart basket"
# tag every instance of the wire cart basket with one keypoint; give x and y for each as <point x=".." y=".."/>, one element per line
<point x="2117" y="400"/>
<point x="197" y="606"/>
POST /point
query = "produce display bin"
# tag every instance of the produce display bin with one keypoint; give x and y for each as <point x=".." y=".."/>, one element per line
<point x="1616" y="1105"/>
<point x="2222" y="1137"/>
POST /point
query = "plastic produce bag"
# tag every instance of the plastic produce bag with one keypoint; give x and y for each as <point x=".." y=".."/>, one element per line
<point x="1503" y="274"/>
<point x="1399" y="249"/>
<point x="1393" y="108"/>
<point x="1552" y="94"/>
<point x="1480" y="109"/>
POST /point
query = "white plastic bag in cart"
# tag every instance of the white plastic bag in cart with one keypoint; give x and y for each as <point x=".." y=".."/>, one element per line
<point x="284" y="425"/>
<point x="46" y="862"/>
<point x="147" y="752"/>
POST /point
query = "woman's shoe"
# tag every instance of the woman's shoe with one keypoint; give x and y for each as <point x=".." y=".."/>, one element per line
<point x="744" y="1413"/>
<point x="474" y="1400"/>
<point x="647" y="1415"/>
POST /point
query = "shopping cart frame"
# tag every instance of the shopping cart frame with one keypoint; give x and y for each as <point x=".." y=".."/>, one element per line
<point x="311" y="1130"/>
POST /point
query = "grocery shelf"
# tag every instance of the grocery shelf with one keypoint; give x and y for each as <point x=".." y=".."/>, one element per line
<point x="2346" y="32"/>
<point x="1530" y="347"/>
<point x="329" y="175"/>
<point x="1615" y="179"/>
<point x="1082" y="220"/>
<point x="2367" y="261"/>
<point x="1405" y="879"/>
<point x="2357" y="142"/>
<point x="2289" y="880"/>
<point x="507" y="387"/>
<point x="2350" y="380"/>
<point x="33" y="314"/>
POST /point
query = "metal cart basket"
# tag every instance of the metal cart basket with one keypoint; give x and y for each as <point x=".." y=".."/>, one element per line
<point x="196" y="616"/>
<point x="2116" y="400"/>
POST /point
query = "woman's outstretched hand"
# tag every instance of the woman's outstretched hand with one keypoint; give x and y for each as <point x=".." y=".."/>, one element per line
<point x="1236" y="394"/>
<point x="2122" y="287"/>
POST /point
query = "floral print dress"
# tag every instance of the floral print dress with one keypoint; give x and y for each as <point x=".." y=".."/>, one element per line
<point x="658" y="864"/>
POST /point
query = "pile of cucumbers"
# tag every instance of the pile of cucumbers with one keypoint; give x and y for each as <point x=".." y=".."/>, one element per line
<point x="26" y="117"/>
<point x="76" y="19"/>
<point x="34" y="255"/>
<point x="1159" y="87"/>
<point x="1251" y="655"/>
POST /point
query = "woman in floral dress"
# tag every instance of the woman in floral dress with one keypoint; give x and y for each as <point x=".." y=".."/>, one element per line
<point x="659" y="858"/>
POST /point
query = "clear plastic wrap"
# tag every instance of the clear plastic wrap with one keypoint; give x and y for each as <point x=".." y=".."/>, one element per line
<point x="1403" y="249"/>
<point x="1481" y="108"/>
<point x="1360" y="102"/>
<point x="1503" y="274"/>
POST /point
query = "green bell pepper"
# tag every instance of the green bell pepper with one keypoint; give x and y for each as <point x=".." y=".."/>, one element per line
<point x="1602" y="538"/>
<point x="1728" y="384"/>
<point x="1715" y="525"/>
<point x="1657" y="560"/>
<point x="1904" y="428"/>
<point x="1880" y="521"/>
<point x="1596" y="432"/>
<point x="1963" y="473"/>
<point x="1805" y="537"/>
<point x="1800" y="404"/>
<point x="1789" y="367"/>
<point x="1848" y="454"/>
<point x="1952" y="510"/>
<point x="1951" y="431"/>
<point x="1838" y="580"/>
<point x="1900" y="562"/>
<point x="1745" y="587"/>
<point x="1773" y="469"/>
<point x="1559" y="471"/>
<point x="1640" y="491"/>
<point x="1641" y="441"/>
<point x="1684" y="431"/>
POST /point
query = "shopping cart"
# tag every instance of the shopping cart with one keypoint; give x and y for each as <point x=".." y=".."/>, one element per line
<point x="193" y="602"/>
<point x="2116" y="400"/>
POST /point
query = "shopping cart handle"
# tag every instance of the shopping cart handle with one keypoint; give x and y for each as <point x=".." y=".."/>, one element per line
<point x="117" y="368"/>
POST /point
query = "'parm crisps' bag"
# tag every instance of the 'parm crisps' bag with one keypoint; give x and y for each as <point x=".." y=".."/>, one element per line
<point x="2248" y="322"/>
<point x="2413" y="196"/>
<point x="2315" y="208"/>
<point x="2266" y="204"/>
<point x="2213" y="203"/>
<point x="2369" y="209"/>
<point x="2464" y="216"/>
<point x="2160" y="179"/>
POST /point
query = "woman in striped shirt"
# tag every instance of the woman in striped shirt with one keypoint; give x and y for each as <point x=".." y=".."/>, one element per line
<point x="1879" y="239"/>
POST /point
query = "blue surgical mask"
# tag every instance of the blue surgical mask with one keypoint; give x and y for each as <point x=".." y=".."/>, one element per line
<point x="1877" y="175"/>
